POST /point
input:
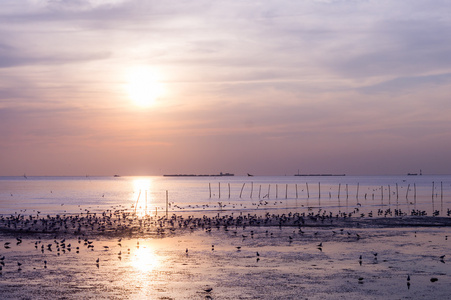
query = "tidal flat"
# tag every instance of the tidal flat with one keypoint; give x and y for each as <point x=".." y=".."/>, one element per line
<point x="396" y="258"/>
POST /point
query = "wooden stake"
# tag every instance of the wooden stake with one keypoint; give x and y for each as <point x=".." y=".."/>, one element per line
<point x="136" y="205"/>
<point x="167" y="203"/>
<point x="242" y="189"/>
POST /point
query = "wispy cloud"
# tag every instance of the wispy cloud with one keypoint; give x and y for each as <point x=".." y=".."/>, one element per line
<point x="249" y="80"/>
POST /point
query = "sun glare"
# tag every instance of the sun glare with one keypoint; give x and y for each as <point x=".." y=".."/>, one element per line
<point x="143" y="86"/>
<point x="144" y="259"/>
<point x="142" y="190"/>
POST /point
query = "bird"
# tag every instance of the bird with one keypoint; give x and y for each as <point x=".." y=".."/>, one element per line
<point x="258" y="254"/>
<point x="208" y="289"/>
<point x="97" y="260"/>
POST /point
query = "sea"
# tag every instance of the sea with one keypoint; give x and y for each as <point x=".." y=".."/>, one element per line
<point x="227" y="195"/>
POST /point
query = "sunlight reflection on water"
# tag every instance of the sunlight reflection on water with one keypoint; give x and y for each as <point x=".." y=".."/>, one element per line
<point x="144" y="259"/>
<point x="142" y="186"/>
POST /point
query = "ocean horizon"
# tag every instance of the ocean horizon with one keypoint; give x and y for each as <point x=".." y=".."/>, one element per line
<point x="428" y="194"/>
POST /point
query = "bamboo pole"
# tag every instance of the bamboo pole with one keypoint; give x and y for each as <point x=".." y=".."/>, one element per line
<point x="296" y="190"/>
<point x="397" y="193"/>
<point x="357" y="195"/>
<point x="145" y="211"/>
<point x="167" y="203"/>
<point x="209" y="188"/>
<point x="308" y="194"/>
<point x="433" y="189"/>
<point x="242" y="189"/>
<point x="229" y="189"/>
<point x="415" y="195"/>
<point x="389" y="195"/>
<point x="136" y="205"/>
<point x="219" y="189"/>
<point x="339" y="188"/>
<point x="252" y="188"/>
<point x="286" y="191"/>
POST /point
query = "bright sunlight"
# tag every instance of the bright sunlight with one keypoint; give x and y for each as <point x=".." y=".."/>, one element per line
<point x="143" y="86"/>
<point x="142" y="190"/>
<point x="144" y="259"/>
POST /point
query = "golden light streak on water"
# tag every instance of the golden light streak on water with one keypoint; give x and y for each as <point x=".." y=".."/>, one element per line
<point x="144" y="259"/>
<point x="144" y="202"/>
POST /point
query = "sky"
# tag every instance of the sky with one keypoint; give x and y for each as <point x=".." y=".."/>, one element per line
<point x="144" y="87"/>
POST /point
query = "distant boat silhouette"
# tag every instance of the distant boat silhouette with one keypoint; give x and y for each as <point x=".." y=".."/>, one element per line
<point x="249" y="174"/>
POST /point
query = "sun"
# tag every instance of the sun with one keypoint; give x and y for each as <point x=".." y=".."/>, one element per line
<point x="143" y="86"/>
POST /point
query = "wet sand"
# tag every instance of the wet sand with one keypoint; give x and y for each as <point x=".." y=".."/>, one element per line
<point x="216" y="258"/>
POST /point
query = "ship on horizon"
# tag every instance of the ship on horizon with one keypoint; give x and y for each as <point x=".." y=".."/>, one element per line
<point x="199" y="175"/>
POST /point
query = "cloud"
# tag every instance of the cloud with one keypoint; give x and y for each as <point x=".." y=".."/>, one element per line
<point x="320" y="78"/>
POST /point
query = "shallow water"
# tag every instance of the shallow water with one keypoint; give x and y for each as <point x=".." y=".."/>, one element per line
<point x="160" y="268"/>
<point x="154" y="267"/>
<point x="197" y="195"/>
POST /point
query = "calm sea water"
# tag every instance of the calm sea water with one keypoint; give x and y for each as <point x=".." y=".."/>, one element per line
<point x="237" y="194"/>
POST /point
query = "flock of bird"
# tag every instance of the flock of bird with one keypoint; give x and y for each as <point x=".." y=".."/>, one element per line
<point x="121" y="222"/>
<point x="81" y="228"/>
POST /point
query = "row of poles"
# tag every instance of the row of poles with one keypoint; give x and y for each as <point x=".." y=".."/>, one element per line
<point x="156" y="208"/>
<point x="267" y="195"/>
